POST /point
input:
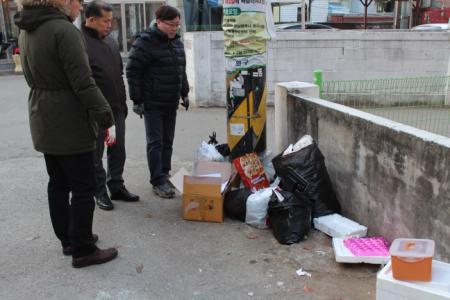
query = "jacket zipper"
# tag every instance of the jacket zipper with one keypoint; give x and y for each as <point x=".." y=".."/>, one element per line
<point x="172" y="52"/>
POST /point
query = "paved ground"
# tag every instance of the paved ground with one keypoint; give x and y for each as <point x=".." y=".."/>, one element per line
<point x="161" y="255"/>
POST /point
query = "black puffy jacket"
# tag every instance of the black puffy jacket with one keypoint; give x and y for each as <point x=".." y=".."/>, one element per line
<point x="156" y="70"/>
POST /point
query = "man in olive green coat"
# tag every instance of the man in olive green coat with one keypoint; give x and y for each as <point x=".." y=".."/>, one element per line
<point x="66" y="112"/>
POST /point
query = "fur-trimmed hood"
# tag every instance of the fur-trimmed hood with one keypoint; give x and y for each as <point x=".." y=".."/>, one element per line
<point x="59" y="4"/>
<point x="33" y="13"/>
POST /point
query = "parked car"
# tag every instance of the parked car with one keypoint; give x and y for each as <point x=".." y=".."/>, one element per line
<point x="432" y="27"/>
<point x="297" y="26"/>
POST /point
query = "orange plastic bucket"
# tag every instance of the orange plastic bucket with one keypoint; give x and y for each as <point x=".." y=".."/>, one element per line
<point x="412" y="259"/>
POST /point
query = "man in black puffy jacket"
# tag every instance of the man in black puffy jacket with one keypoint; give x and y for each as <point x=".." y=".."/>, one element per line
<point x="156" y="73"/>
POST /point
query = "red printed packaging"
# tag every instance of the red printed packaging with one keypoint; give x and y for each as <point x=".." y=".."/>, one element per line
<point x="251" y="171"/>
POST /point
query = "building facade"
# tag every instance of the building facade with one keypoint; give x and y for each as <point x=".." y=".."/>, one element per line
<point x="129" y="18"/>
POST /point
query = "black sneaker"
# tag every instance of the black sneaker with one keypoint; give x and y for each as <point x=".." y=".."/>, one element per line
<point x="104" y="202"/>
<point x="164" y="190"/>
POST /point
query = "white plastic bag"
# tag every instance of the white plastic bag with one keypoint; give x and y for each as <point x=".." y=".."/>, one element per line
<point x="207" y="152"/>
<point x="288" y="150"/>
<point x="268" y="166"/>
<point x="257" y="204"/>
<point x="304" y="142"/>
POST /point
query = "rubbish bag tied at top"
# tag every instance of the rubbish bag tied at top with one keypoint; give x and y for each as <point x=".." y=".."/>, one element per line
<point x="304" y="173"/>
<point x="290" y="218"/>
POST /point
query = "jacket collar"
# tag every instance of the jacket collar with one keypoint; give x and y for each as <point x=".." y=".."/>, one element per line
<point x="91" y="32"/>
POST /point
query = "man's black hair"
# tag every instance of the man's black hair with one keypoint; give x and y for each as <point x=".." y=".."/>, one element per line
<point x="167" y="12"/>
<point x="96" y="8"/>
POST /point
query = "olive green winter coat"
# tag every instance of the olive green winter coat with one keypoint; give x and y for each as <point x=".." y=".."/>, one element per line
<point x="65" y="106"/>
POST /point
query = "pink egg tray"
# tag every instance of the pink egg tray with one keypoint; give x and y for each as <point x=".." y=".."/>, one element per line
<point x="369" y="246"/>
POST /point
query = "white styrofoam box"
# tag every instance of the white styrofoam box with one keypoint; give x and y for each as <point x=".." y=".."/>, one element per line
<point x="343" y="255"/>
<point x="336" y="225"/>
<point x="438" y="288"/>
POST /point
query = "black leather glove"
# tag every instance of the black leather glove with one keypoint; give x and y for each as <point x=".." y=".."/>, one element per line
<point x="138" y="109"/>
<point x="185" y="102"/>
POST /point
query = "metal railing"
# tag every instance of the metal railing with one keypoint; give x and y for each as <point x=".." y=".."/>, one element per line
<point x="422" y="102"/>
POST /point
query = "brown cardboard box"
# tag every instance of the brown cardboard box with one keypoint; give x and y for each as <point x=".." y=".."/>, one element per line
<point x="202" y="194"/>
<point x="202" y="168"/>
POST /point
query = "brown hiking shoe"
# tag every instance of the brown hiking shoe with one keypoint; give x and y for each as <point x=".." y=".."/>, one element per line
<point x="100" y="256"/>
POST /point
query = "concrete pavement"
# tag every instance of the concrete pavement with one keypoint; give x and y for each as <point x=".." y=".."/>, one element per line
<point x="161" y="256"/>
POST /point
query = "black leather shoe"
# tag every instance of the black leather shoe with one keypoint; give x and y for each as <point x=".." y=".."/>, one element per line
<point x="124" y="195"/>
<point x="100" y="256"/>
<point x="68" y="250"/>
<point x="104" y="202"/>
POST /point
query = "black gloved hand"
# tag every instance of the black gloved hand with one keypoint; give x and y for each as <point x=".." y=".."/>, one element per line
<point x="138" y="109"/>
<point x="185" y="102"/>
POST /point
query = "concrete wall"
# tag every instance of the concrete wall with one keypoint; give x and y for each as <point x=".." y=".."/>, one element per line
<point x="342" y="54"/>
<point x="391" y="177"/>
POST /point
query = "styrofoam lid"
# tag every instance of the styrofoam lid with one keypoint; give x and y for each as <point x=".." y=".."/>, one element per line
<point x="412" y="248"/>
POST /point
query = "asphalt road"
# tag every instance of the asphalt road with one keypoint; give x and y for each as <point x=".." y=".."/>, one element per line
<point x="161" y="256"/>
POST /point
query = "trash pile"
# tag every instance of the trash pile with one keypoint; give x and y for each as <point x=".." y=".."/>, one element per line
<point x="285" y="191"/>
<point x="282" y="193"/>
<point x="290" y="193"/>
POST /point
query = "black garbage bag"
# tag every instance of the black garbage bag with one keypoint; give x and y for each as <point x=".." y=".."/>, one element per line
<point x="305" y="174"/>
<point x="223" y="149"/>
<point x="290" y="219"/>
<point x="235" y="204"/>
<point x="213" y="139"/>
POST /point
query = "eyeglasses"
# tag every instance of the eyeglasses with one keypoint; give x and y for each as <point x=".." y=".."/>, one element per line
<point x="172" y="24"/>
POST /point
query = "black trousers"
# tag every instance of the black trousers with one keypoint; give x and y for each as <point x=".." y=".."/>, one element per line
<point x="72" y="221"/>
<point x="116" y="156"/>
<point x="160" y="132"/>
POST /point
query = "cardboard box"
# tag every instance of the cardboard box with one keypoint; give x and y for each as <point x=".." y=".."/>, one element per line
<point x="207" y="168"/>
<point x="203" y="193"/>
